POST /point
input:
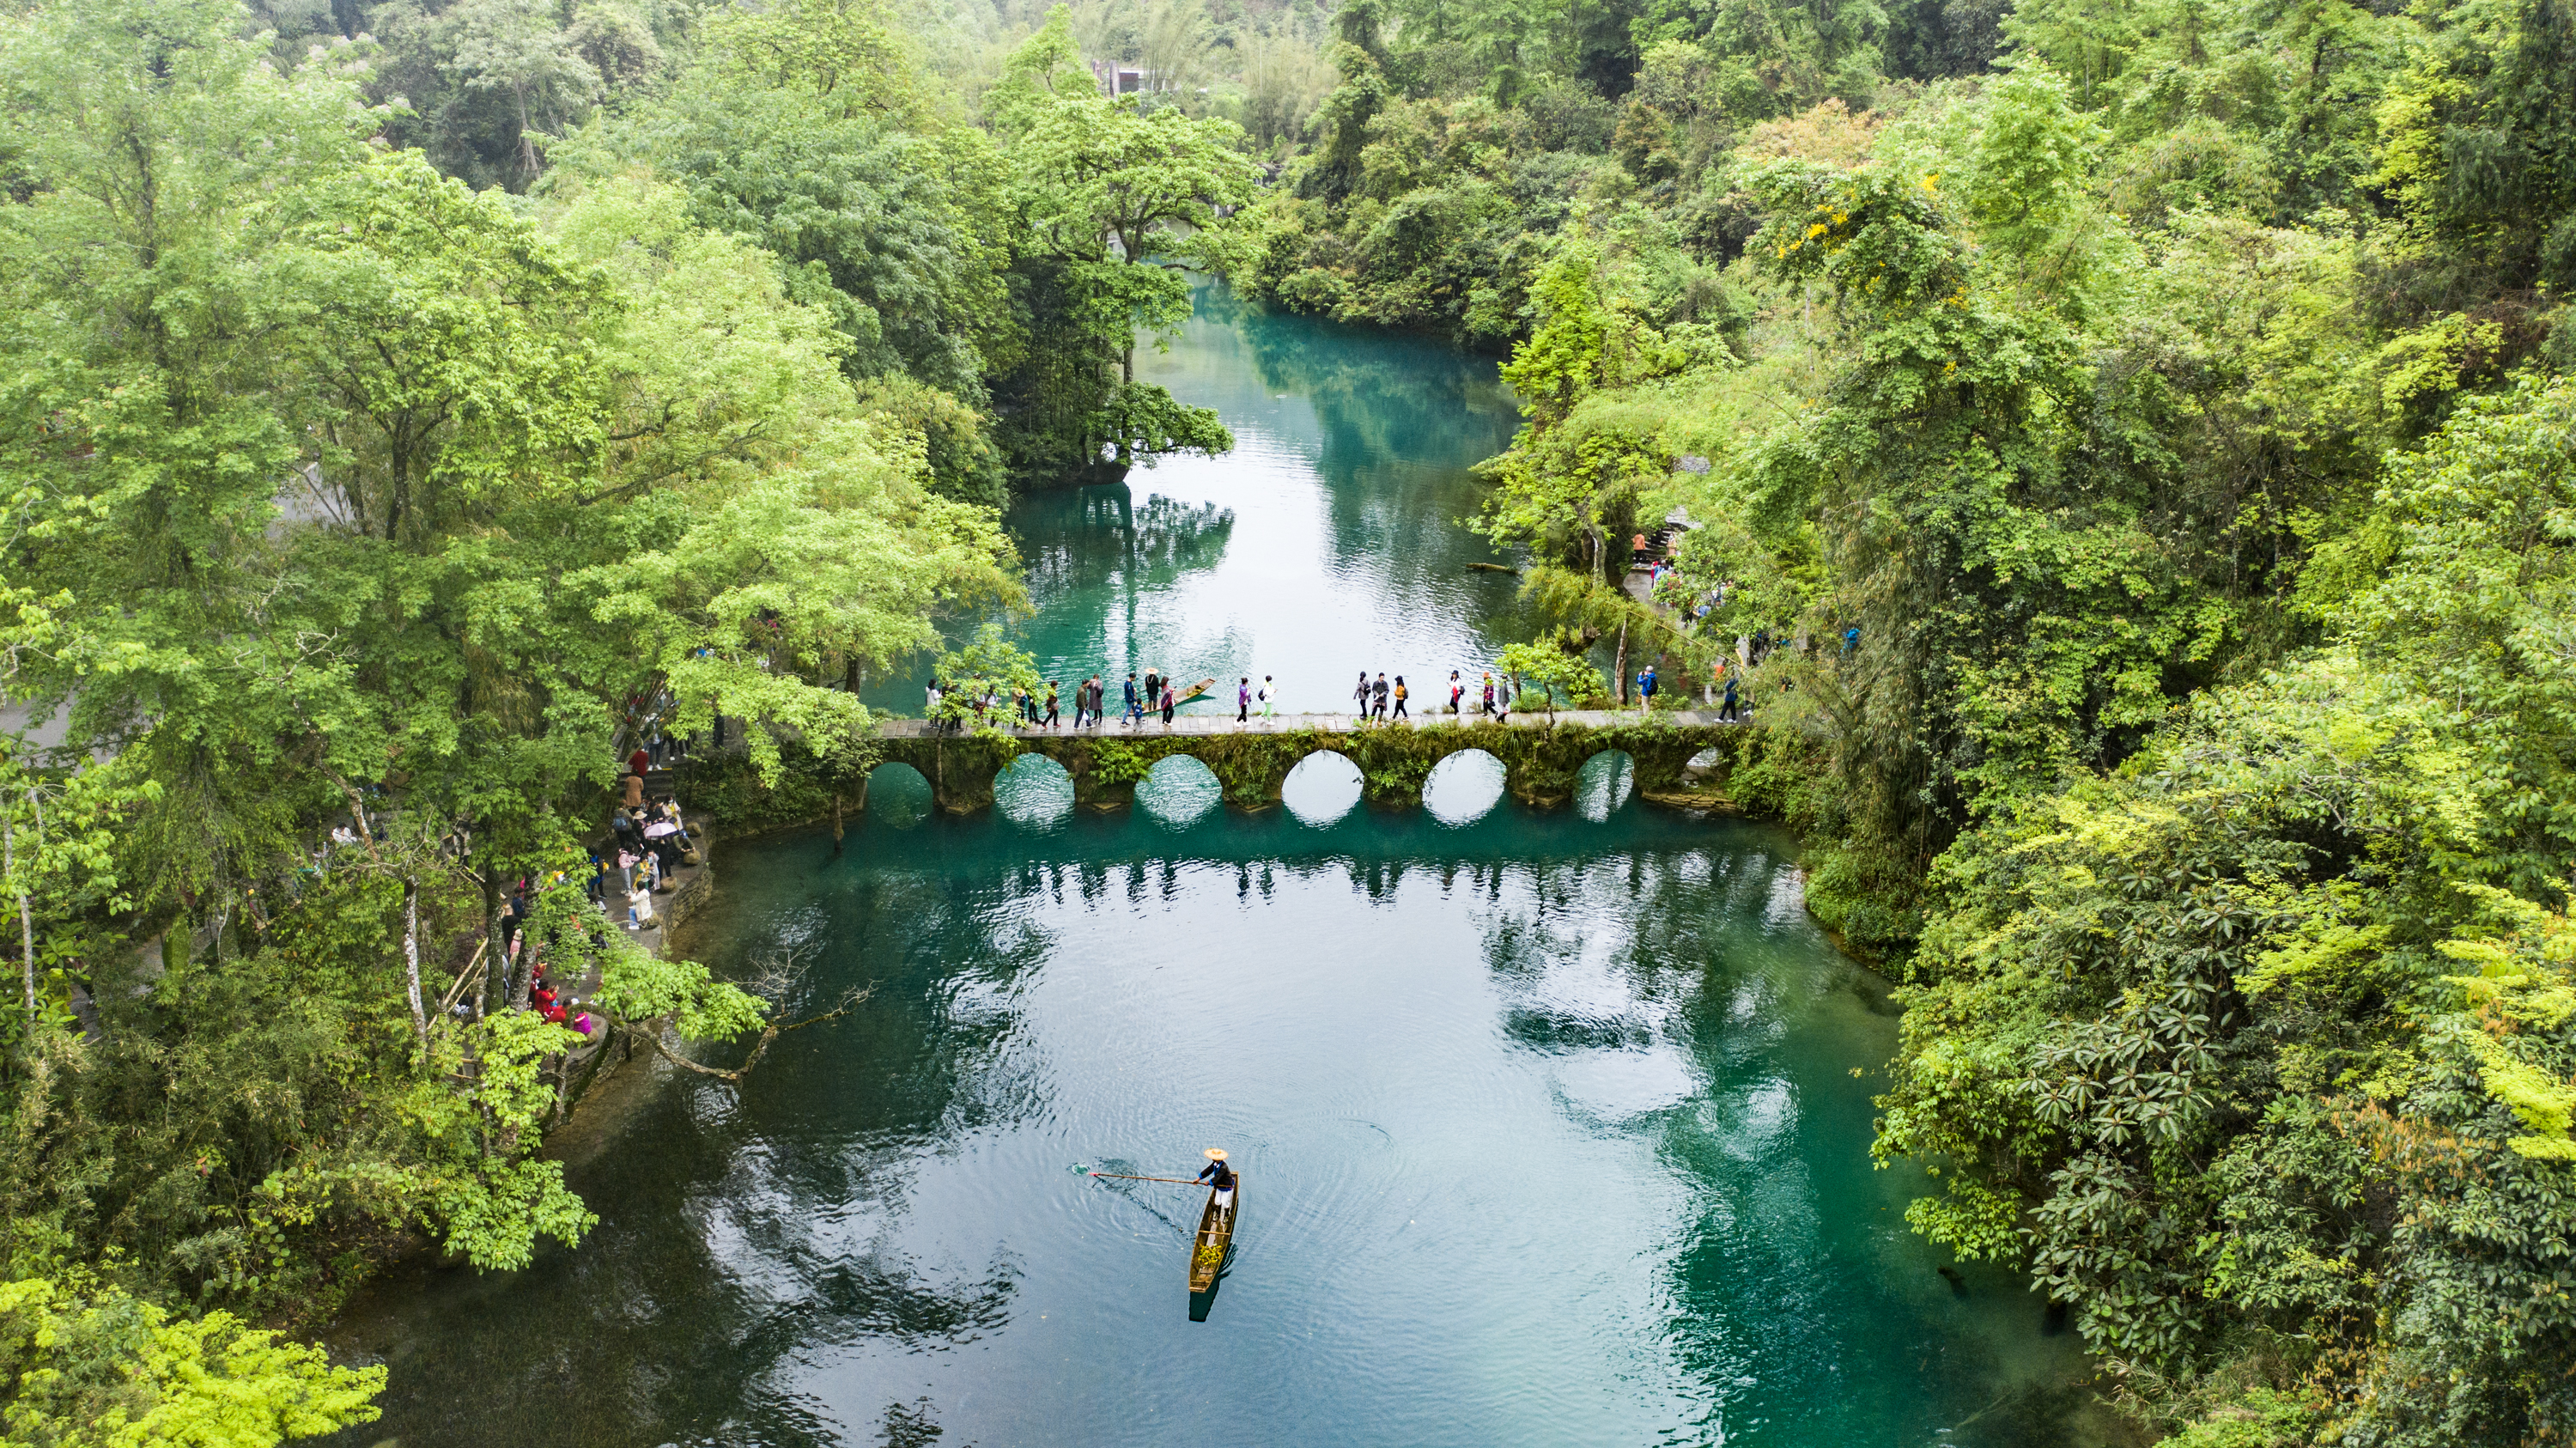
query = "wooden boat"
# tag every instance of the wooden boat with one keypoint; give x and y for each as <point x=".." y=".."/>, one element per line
<point x="1194" y="691"/>
<point x="1215" y="1238"/>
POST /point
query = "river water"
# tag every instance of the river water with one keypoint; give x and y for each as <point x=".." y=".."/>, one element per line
<point x="1553" y="1127"/>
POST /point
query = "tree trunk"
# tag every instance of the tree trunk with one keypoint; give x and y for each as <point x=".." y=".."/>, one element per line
<point x="1621" y="667"/>
<point x="514" y="978"/>
<point x="26" y="920"/>
<point x="496" y="950"/>
<point x="527" y="147"/>
<point x="411" y="963"/>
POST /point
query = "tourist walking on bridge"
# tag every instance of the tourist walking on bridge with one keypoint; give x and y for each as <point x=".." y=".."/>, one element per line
<point x="1361" y="693"/>
<point x="1457" y="691"/>
<point x="1170" y="700"/>
<point x="1132" y="712"/>
<point x="1399" y="696"/>
<point x="1243" y="700"/>
<point x="1269" y="696"/>
<point x="1489" y="694"/>
<point x="1051" y="714"/>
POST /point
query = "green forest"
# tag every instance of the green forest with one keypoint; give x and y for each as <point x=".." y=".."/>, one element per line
<point x="2141" y="423"/>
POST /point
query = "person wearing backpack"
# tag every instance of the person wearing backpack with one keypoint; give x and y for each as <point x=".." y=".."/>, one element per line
<point x="1400" y="695"/>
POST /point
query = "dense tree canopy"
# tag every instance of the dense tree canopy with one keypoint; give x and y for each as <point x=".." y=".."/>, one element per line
<point x="2128" y="462"/>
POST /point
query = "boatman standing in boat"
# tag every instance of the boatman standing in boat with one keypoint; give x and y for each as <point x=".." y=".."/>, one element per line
<point x="1221" y="1176"/>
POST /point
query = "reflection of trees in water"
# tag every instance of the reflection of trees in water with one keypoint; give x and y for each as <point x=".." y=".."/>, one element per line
<point x="1084" y="539"/>
<point x="1401" y="421"/>
<point x="1383" y="398"/>
<point x="655" y="1333"/>
<point x="1706" y="953"/>
<point x="740" y="1234"/>
<point x="1650" y="924"/>
<point x="1684" y="935"/>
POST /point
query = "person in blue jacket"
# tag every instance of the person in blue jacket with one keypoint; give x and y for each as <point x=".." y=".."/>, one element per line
<point x="1217" y="1173"/>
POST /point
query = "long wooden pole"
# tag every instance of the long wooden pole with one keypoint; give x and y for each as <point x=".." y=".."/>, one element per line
<point x="1125" y="1177"/>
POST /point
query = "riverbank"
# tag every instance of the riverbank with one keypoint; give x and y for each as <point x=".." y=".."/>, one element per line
<point x="581" y="1072"/>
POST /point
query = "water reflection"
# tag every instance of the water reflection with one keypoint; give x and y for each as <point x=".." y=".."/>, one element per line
<point x="1325" y="543"/>
<point x="1547" y="1139"/>
<point x="1464" y="787"/>
<point x="1604" y="784"/>
<point x="1034" y="792"/>
<point x="1180" y="791"/>
<point x="899" y="796"/>
<point x="1096" y="538"/>
<point x="1322" y="788"/>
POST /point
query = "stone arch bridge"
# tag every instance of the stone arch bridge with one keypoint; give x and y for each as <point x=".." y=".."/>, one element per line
<point x="1540" y="756"/>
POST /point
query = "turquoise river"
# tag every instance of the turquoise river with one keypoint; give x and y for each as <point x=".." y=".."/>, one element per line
<point x="1554" y="1126"/>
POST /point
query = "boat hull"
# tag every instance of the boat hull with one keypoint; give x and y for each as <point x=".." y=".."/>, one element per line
<point x="1215" y="1238"/>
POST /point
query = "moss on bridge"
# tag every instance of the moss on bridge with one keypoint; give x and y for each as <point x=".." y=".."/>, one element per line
<point x="1540" y="766"/>
<point x="1539" y="763"/>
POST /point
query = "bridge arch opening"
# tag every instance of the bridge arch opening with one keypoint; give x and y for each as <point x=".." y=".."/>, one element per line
<point x="1322" y="788"/>
<point x="1604" y="783"/>
<point x="898" y="796"/>
<point x="1463" y="788"/>
<point x="1034" y="792"/>
<point x="1180" y="791"/>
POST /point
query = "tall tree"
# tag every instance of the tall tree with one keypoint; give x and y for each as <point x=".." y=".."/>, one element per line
<point x="1113" y="199"/>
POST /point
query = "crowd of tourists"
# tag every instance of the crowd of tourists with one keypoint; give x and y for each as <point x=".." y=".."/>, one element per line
<point x="648" y="843"/>
<point x="1151" y="696"/>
